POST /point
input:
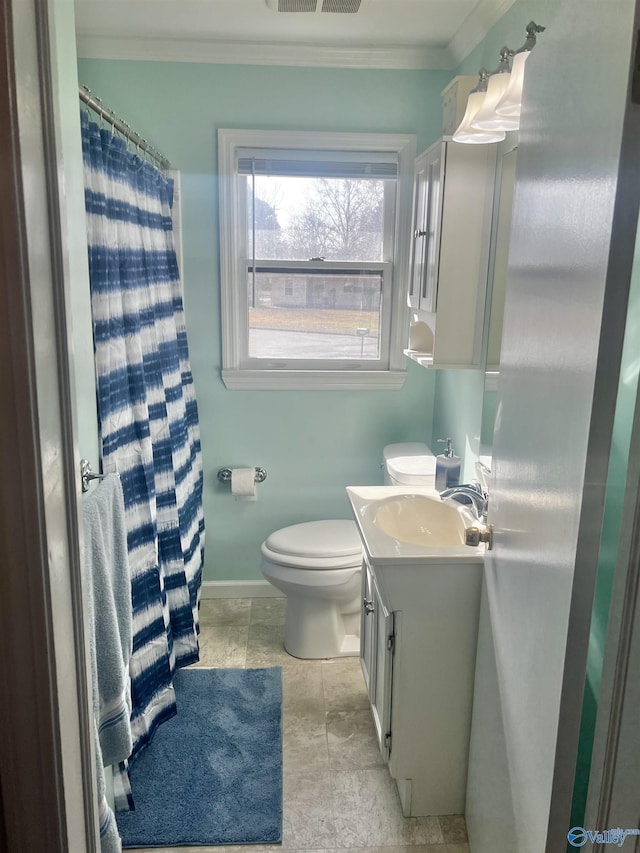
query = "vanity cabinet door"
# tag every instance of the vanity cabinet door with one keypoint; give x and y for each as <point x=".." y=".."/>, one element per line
<point x="380" y="696"/>
<point x="377" y="640"/>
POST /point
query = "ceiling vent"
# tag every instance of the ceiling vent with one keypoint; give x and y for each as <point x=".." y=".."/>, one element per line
<point x="349" y="6"/>
<point x="343" y="6"/>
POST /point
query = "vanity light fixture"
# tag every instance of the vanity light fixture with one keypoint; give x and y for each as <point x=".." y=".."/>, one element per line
<point x="466" y="132"/>
<point x="510" y="104"/>
<point x="494" y="106"/>
<point x="486" y="118"/>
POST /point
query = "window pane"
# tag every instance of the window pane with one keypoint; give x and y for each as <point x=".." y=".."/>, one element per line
<point x="337" y="219"/>
<point x="315" y="315"/>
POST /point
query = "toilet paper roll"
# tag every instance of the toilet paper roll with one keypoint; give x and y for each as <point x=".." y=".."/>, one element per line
<point x="243" y="483"/>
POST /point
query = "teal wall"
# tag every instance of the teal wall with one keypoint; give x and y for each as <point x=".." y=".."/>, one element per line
<point x="457" y="413"/>
<point x="312" y="444"/>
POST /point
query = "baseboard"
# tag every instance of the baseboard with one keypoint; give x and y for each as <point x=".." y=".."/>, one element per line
<point x="239" y="589"/>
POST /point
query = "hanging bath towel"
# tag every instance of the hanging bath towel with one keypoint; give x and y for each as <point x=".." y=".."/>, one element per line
<point x="110" y="638"/>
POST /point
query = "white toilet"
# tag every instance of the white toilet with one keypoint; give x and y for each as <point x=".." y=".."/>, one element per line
<point x="318" y="566"/>
<point x="409" y="464"/>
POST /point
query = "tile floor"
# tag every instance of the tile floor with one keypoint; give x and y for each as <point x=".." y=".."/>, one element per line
<point x="338" y="793"/>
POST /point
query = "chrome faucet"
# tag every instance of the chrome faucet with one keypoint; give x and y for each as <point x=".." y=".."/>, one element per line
<point x="470" y="493"/>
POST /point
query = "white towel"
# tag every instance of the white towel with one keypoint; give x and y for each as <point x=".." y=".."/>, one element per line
<point x="110" y="629"/>
<point x="110" y="586"/>
<point x="110" y="841"/>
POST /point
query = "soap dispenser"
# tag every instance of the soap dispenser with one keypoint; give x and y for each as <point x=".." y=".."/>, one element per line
<point x="447" y="467"/>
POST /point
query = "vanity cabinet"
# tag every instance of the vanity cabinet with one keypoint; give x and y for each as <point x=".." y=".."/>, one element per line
<point x="419" y="627"/>
<point x="453" y="199"/>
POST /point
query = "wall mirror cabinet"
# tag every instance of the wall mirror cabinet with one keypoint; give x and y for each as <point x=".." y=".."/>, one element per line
<point x="453" y="199"/>
<point x="499" y="251"/>
<point x="498" y="264"/>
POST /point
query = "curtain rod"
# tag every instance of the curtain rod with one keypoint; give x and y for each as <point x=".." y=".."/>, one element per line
<point x="94" y="103"/>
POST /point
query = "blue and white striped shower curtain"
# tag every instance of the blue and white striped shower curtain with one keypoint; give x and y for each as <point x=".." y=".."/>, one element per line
<point x="147" y="412"/>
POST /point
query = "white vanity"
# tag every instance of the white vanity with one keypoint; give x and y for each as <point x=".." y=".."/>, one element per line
<point x="418" y="639"/>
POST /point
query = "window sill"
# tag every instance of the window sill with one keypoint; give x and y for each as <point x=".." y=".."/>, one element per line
<point x="314" y="380"/>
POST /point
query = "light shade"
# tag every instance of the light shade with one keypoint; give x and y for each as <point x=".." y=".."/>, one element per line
<point x="510" y="103"/>
<point x="486" y="118"/>
<point x="467" y="133"/>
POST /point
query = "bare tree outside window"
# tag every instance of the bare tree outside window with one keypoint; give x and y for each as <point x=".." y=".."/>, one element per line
<point x="300" y="218"/>
<point x="310" y="313"/>
<point x="342" y="220"/>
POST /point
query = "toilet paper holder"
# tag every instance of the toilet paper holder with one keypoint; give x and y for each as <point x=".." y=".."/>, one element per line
<point x="224" y="475"/>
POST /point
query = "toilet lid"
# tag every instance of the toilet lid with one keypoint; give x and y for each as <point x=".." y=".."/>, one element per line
<point x="317" y="539"/>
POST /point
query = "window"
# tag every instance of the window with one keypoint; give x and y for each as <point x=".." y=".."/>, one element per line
<point x="314" y="258"/>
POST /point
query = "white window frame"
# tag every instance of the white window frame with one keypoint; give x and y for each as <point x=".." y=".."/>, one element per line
<point x="240" y="372"/>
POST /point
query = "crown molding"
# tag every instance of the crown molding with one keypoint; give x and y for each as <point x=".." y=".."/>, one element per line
<point x="399" y="57"/>
<point x="476" y="27"/>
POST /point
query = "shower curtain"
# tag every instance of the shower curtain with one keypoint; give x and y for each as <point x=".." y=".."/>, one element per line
<point x="147" y="414"/>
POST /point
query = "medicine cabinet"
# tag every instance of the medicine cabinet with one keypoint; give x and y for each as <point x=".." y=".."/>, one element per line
<point x="453" y="201"/>
<point x="498" y="267"/>
<point x="500" y="237"/>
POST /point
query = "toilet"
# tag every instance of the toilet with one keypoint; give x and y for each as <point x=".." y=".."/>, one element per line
<point x="409" y="463"/>
<point x="318" y="566"/>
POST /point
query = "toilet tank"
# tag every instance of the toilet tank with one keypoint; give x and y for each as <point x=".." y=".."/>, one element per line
<point x="409" y="464"/>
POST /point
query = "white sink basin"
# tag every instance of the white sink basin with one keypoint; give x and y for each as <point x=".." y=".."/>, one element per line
<point x="412" y="526"/>
<point x="421" y="520"/>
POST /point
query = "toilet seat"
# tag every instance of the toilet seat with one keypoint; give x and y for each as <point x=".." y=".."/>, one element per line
<point x="318" y="545"/>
